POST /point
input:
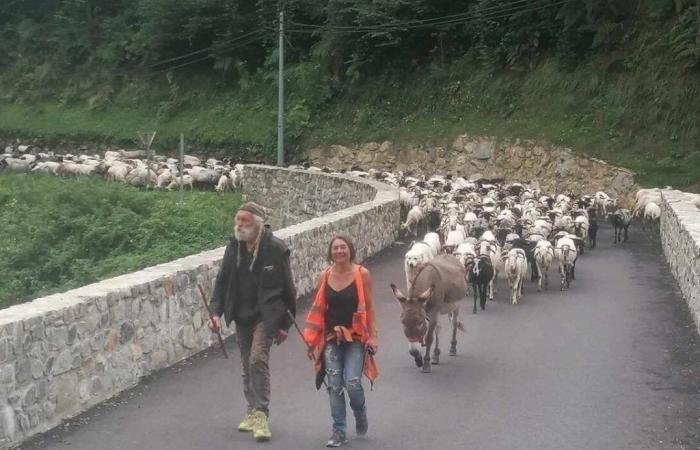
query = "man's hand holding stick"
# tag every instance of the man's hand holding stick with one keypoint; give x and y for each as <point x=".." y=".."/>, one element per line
<point x="215" y="321"/>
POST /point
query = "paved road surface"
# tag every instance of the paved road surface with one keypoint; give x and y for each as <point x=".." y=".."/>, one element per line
<point x="612" y="364"/>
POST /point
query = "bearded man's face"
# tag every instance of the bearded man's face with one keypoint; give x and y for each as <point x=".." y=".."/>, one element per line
<point x="245" y="229"/>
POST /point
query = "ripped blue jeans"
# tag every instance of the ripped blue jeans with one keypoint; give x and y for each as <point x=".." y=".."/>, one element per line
<point x="344" y="363"/>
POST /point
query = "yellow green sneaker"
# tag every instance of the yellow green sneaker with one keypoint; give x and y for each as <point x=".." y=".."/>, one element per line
<point x="248" y="423"/>
<point x="261" y="429"/>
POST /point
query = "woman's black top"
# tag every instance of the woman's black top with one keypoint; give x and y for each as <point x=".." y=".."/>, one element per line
<point x="340" y="306"/>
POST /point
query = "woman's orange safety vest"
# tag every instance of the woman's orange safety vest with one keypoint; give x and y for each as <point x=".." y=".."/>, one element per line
<point x="315" y="332"/>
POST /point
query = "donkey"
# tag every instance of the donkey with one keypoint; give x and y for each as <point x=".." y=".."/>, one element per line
<point x="437" y="288"/>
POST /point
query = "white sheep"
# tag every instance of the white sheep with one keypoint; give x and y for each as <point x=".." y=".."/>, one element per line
<point x="236" y="177"/>
<point x="566" y="254"/>
<point x="454" y="239"/>
<point x="186" y="181"/>
<point x="118" y="172"/>
<point x="18" y="164"/>
<point x="223" y="184"/>
<point x="465" y="252"/>
<point x="47" y="166"/>
<point x="516" y="269"/>
<point x="433" y="239"/>
<point x="413" y="220"/>
<point x="140" y="176"/>
<point x="652" y="215"/>
<point x="165" y="176"/>
<point x="544" y="255"/>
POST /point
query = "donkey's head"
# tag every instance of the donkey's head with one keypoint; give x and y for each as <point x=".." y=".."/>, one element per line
<point x="413" y="315"/>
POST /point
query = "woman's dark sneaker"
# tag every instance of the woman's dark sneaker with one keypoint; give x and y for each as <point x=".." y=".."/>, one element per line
<point x="361" y="423"/>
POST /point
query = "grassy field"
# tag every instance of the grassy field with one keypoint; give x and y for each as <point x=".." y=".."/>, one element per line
<point x="60" y="233"/>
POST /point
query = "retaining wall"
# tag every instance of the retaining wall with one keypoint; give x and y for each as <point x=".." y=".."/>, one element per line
<point x="680" y="238"/>
<point x="64" y="353"/>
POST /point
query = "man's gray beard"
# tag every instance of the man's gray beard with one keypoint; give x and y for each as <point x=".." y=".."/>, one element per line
<point x="246" y="235"/>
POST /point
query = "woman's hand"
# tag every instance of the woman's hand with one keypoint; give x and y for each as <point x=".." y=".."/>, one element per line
<point x="311" y="352"/>
<point x="372" y="345"/>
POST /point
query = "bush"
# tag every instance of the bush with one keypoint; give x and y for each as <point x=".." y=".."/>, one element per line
<point x="63" y="233"/>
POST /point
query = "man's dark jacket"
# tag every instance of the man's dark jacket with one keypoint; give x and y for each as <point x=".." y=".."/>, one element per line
<point x="276" y="291"/>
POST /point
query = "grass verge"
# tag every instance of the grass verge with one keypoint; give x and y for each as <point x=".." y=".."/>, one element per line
<point x="61" y="233"/>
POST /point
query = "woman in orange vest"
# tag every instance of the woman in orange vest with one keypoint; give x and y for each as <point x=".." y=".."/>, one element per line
<point x="342" y="336"/>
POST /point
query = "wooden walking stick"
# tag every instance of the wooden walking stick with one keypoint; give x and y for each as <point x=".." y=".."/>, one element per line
<point x="294" y="321"/>
<point x="211" y="316"/>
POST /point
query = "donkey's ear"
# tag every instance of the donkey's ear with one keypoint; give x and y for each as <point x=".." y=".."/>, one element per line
<point x="425" y="296"/>
<point x="398" y="294"/>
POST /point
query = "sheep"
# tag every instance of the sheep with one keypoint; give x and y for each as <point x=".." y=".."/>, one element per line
<point x="544" y="255"/>
<point x="592" y="227"/>
<point x="516" y="269"/>
<point x="191" y="160"/>
<point x="118" y="172"/>
<point x="433" y="239"/>
<point x="465" y="252"/>
<point x="203" y="176"/>
<point x="431" y="212"/>
<point x="600" y="199"/>
<point x="493" y="251"/>
<point x="413" y="220"/>
<point x="223" y="184"/>
<point x="581" y="226"/>
<point x="140" y="176"/>
<point x="620" y="220"/>
<point x="454" y="238"/>
<point x="70" y="167"/>
<point x="479" y="276"/>
<point x="643" y="197"/>
<point x="565" y="252"/>
<point x="47" y="166"/>
<point x="112" y="155"/>
<point x="186" y="181"/>
<point x="19" y="164"/>
<point x="652" y="215"/>
<point x="236" y="177"/>
<point x="164" y="178"/>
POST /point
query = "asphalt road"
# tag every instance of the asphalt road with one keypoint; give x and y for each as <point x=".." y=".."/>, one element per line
<point x="614" y="363"/>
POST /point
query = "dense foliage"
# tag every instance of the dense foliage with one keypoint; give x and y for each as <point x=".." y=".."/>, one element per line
<point x="61" y="233"/>
<point x="45" y="39"/>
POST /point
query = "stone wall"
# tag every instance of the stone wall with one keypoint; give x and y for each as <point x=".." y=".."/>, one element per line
<point x="680" y="238"/>
<point x="555" y="169"/>
<point x="62" y="354"/>
<point x="311" y="197"/>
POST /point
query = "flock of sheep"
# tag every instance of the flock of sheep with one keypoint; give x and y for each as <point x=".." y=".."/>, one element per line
<point x="128" y="167"/>
<point x="506" y="228"/>
<point x="494" y="228"/>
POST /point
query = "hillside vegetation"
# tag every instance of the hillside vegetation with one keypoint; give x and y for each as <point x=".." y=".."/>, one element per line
<point x="61" y="233"/>
<point x="617" y="79"/>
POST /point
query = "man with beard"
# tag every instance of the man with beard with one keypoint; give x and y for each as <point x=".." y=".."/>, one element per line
<point x="254" y="288"/>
